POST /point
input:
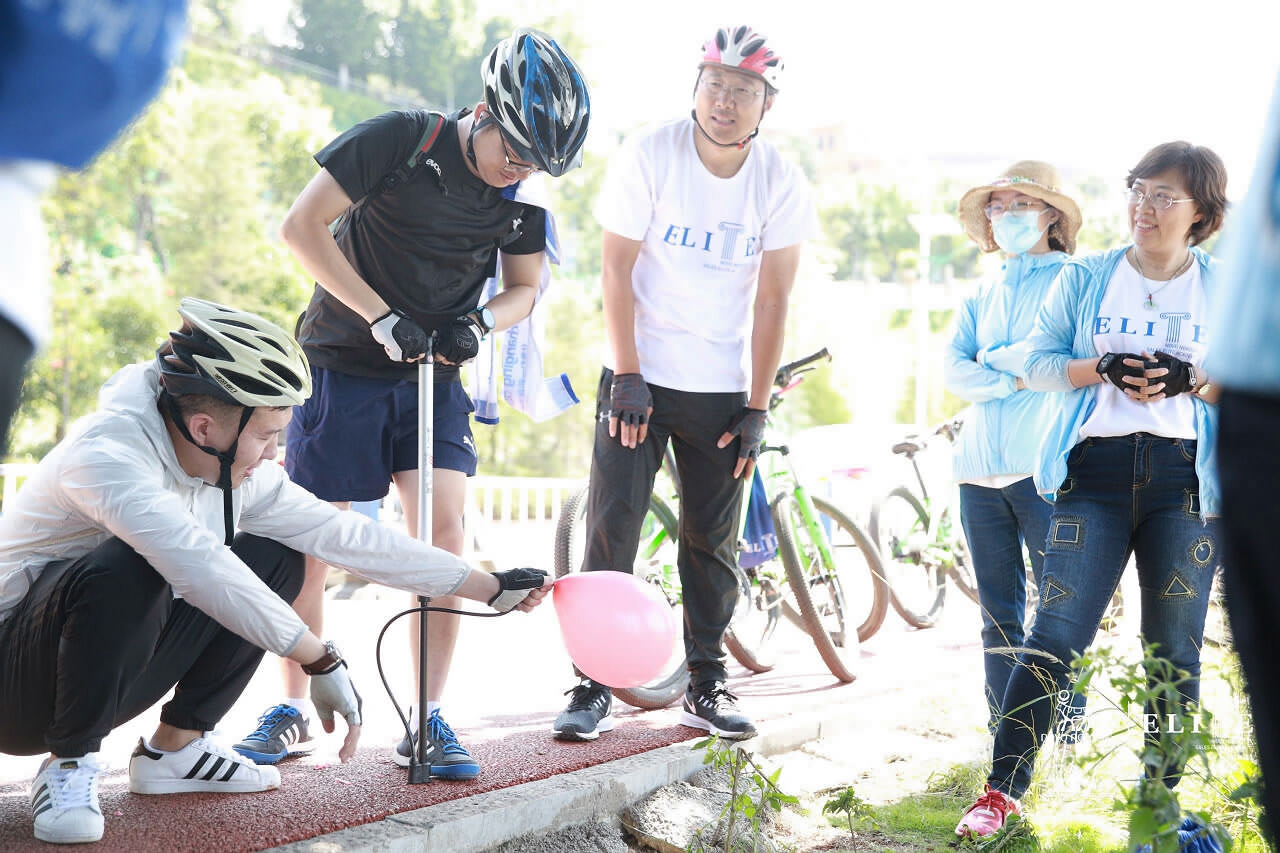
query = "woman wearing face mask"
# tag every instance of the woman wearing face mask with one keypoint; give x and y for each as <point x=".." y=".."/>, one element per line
<point x="1024" y="214"/>
<point x="1128" y="460"/>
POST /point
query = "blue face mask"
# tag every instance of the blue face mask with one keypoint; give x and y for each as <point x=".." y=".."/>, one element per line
<point x="1018" y="232"/>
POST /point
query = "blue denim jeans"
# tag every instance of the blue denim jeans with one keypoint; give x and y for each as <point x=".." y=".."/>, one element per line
<point x="1135" y="494"/>
<point x="996" y="523"/>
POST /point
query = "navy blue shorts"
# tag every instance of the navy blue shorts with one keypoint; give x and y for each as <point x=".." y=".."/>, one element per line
<point x="354" y="432"/>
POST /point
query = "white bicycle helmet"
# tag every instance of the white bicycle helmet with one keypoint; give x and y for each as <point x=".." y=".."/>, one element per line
<point x="539" y="98"/>
<point x="235" y="356"/>
<point x="743" y="49"/>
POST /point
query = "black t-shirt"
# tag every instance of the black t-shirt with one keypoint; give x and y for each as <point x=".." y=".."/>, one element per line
<point x="426" y="246"/>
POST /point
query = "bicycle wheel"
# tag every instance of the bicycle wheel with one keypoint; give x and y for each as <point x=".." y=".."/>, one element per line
<point x="750" y="635"/>
<point x="655" y="562"/>
<point x="917" y="586"/>
<point x="960" y="568"/>
<point x="820" y="590"/>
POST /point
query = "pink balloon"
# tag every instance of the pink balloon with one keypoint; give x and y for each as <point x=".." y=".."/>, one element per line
<point x="619" y="630"/>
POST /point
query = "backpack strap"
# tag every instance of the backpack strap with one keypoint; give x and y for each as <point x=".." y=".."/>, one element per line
<point x="393" y="179"/>
<point x="396" y="177"/>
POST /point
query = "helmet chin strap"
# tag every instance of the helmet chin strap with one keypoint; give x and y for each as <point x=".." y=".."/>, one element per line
<point x="476" y="127"/>
<point x="693" y="114"/>
<point x="225" y="457"/>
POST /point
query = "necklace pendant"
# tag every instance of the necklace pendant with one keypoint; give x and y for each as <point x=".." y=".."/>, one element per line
<point x="1150" y="304"/>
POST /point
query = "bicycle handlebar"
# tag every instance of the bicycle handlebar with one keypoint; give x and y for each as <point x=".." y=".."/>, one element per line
<point x="783" y="377"/>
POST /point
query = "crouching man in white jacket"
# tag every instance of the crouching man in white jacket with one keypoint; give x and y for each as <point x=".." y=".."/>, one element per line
<point x="122" y="572"/>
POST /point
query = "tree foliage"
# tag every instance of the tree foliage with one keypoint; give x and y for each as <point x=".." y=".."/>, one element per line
<point x="870" y="232"/>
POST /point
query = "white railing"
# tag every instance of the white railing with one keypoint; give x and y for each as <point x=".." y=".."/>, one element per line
<point x="511" y="521"/>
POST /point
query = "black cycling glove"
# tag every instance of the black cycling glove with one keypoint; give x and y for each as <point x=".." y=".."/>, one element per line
<point x="748" y="426"/>
<point x="459" y="341"/>
<point x="404" y="339"/>
<point x="514" y="586"/>
<point x="1178" y="379"/>
<point x="1112" y="366"/>
<point x="629" y="399"/>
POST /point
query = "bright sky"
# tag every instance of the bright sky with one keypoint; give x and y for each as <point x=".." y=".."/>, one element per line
<point x="1083" y="83"/>
<point x="1089" y="85"/>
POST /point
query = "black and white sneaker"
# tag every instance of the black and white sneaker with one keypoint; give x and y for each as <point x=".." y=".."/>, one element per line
<point x="282" y="730"/>
<point x="588" y="714"/>
<point x="712" y="708"/>
<point x="201" y="766"/>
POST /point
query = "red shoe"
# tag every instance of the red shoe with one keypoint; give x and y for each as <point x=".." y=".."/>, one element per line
<point x="987" y="816"/>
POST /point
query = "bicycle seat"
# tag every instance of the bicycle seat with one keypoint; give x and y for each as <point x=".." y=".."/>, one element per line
<point x="910" y="447"/>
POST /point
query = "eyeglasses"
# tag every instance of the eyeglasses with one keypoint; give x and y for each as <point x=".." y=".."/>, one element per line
<point x="1159" y="201"/>
<point x="720" y="90"/>
<point x="995" y="210"/>
<point x="514" y="168"/>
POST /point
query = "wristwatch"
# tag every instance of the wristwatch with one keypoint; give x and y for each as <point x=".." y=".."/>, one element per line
<point x="327" y="662"/>
<point x="483" y="318"/>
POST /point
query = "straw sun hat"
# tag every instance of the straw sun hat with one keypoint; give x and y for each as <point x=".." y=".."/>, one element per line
<point x="1029" y="177"/>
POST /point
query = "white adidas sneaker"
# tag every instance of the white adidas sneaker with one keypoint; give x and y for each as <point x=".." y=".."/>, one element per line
<point x="64" y="800"/>
<point x="202" y="765"/>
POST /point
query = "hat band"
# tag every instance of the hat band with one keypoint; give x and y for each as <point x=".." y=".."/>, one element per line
<point x="1002" y="182"/>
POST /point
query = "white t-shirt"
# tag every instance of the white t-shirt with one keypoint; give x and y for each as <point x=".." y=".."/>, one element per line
<point x="703" y="237"/>
<point x="1124" y="324"/>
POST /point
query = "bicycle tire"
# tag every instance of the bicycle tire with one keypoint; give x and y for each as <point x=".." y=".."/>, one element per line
<point x="866" y="594"/>
<point x="917" y="590"/>
<point x="749" y="637"/>
<point x="961" y="570"/>
<point x="570" y="535"/>
<point x="829" y="626"/>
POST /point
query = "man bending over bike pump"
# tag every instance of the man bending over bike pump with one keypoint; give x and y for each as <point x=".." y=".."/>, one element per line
<point x="122" y="572"/>
<point x="703" y="226"/>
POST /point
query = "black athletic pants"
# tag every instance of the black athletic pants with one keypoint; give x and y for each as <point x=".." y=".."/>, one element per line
<point x="1249" y="469"/>
<point x="710" y="502"/>
<point x="100" y="639"/>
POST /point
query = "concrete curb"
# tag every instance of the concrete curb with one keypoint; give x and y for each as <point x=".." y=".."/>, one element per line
<point x="477" y="823"/>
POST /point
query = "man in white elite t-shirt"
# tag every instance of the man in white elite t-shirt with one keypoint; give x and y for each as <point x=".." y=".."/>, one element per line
<point x="703" y="225"/>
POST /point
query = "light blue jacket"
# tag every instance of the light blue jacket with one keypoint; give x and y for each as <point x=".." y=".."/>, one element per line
<point x="1248" y="297"/>
<point x="1002" y="431"/>
<point x="1064" y="330"/>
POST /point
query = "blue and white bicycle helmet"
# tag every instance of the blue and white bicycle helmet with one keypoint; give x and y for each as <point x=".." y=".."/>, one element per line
<point x="539" y="98"/>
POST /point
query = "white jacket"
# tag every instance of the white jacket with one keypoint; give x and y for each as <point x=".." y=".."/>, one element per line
<point x="117" y="475"/>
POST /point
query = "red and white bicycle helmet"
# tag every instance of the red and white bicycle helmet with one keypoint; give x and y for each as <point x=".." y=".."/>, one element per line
<point x="743" y="49"/>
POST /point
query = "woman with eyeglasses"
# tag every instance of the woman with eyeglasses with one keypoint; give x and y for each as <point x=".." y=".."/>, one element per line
<point x="1024" y="214"/>
<point x="1129" y="460"/>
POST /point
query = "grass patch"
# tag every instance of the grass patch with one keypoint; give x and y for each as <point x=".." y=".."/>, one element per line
<point x="1078" y="799"/>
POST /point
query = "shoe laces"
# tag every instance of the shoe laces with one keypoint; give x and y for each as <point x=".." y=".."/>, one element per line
<point x="717" y="696"/>
<point x="438" y="730"/>
<point x="213" y="747"/>
<point x="268" y="721"/>
<point x="74" y="787"/>
<point x="585" y="695"/>
<point x="993" y="800"/>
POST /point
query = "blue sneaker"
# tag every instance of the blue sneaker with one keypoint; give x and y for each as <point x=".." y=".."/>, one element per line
<point x="282" y="731"/>
<point x="449" y="759"/>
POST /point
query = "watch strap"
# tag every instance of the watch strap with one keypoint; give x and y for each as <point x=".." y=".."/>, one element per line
<point x="328" y="662"/>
